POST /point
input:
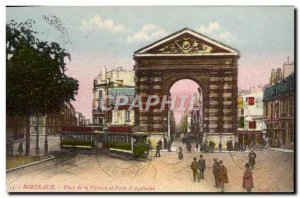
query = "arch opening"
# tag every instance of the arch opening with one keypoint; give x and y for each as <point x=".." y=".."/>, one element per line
<point x="185" y="119"/>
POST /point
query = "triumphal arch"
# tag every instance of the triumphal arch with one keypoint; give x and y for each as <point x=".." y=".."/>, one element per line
<point x="187" y="54"/>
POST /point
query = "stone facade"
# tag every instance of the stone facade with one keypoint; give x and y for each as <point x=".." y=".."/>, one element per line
<point x="212" y="65"/>
<point x="279" y="104"/>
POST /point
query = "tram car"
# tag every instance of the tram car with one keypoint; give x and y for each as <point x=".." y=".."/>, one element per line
<point x="119" y="139"/>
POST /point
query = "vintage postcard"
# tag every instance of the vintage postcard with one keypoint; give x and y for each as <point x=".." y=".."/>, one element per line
<point x="193" y="99"/>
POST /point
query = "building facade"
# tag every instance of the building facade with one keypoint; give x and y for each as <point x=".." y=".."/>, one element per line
<point x="53" y="122"/>
<point x="279" y="104"/>
<point x="196" y="115"/>
<point x="123" y="115"/>
<point x="187" y="54"/>
<point x="107" y="83"/>
<point x="252" y="129"/>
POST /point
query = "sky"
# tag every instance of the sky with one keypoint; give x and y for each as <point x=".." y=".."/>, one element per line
<point x="108" y="36"/>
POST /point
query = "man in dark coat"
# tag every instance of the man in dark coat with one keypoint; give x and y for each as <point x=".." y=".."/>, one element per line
<point x="220" y="147"/>
<point x="202" y="167"/>
<point x="252" y="157"/>
<point x="197" y="146"/>
<point x="165" y="143"/>
<point x="201" y="147"/>
<point x="215" y="169"/>
<point x="222" y="176"/>
<point x="195" y="167"/>
<point x="158" y="147"/>
<point x="248" y="179"/>
<point x="189" y="147"/>
<point x="160" y="144"/>
<point x="212" y="146"/>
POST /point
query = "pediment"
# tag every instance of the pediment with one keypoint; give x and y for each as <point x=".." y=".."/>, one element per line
<point x="186" y="42"/>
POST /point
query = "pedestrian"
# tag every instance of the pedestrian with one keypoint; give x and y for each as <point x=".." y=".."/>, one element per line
<point x="248" y="179"/>
<point x="212" y="146"/>
<point x="220" y="147"/>
<point x="205" y="147"/>
<point x="189" y="147"/>
<point x="195" y="167"/>
<point x="202" y="167"/>
<point x="201" y="147"/>
<point x="157" y="150"/>
<point x="20" y="149"/>
<point x="216" y="169"/>
<point x="197" y="145"/>
<point x="160" y="144"/>
<point x="252" y="157"/>
<point x="180" y="154"/>
<point x="165" y="143"/>
<point x="222" y="176"/>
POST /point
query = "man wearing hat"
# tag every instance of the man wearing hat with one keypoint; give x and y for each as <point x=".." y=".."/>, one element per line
<point x="195" y="167"/>
<point x="202" y="167"/>
<point x="252" y="157"/>
<point x="216" y="169"/>
<point x="222" y="176"/>
<point x="248" y="179"/>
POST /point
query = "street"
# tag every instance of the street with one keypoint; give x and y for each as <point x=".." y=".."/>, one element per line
<point x="72" y="172"/>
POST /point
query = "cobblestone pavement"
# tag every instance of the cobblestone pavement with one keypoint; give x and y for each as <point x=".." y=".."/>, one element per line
<point x="273" y="172"/>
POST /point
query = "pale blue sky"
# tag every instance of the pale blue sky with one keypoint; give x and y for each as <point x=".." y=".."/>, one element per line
<point x="108" y="36"/>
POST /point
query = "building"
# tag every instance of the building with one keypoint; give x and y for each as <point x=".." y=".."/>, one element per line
<point x="187" y="54"/>
<point x="288" y="68"/>
<point x="197" y="117"/>
<point x="65" y="117"/>
<point x="123" y="115"/>
<point x="105" y="81"/>
<point x="80" y="119"/>
<point x="251" y="124"/>
<point x="279" y="104"/>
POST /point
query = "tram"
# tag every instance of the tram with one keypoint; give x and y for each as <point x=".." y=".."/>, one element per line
<point x="118" y="139"/>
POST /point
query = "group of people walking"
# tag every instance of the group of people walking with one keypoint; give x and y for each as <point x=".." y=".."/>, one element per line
<point x="220" y="172"/>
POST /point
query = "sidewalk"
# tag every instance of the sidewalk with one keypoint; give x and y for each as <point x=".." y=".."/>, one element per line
<point x="282" y="150"/>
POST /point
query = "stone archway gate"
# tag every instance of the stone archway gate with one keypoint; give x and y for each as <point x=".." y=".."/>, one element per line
<point x="186" y="54"/>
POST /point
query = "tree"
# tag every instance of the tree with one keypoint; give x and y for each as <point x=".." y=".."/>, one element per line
<point x="36" y="82"/>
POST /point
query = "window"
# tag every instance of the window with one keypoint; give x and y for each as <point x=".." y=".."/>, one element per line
<point x="252" y="125"/>
<point x="250" y="100"/>
<point x="100" y="94"/>
<point x="127" y="116"/>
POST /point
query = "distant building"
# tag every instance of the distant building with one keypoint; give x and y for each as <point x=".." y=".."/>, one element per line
<point x="251" y="126"/>
<point x="288" y="68"/>
<point x="102" y="83"/>
<point x="80" y="119"/>
<point x="123" y="115"/>
<point x="65" y="117"/>
<point x="197" y="117"/>
<point x="279" y="104"/>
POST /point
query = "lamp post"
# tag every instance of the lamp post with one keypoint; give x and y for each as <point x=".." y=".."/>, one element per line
<point x="37" y="149"/>
<point x="46" y="138"/>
